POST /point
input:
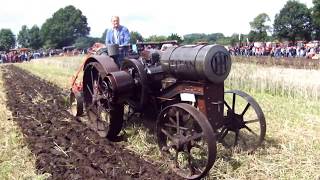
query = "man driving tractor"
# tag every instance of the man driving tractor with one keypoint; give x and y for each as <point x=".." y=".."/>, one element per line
<point x="118" y="35"/>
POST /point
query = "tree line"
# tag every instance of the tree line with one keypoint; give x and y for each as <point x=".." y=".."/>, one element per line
<point x="68" y="26"/>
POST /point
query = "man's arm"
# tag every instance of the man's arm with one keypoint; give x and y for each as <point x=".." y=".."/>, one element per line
<point x="126" y="36"/>
<point x="108" y="37"/>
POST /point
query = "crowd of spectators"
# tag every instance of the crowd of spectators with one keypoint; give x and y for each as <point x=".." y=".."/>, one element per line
<point x="24" y="54"/>
<point x="18" y="56"/>
<point x="309" y="50"/>
<point x="302" y="50"/>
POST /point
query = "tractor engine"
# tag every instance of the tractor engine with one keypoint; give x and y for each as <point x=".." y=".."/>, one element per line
<point x="137" y="77"/>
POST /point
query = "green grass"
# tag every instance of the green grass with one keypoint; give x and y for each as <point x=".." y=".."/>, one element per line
<point x="16" y="160"/>
<point x="292" y="146"/>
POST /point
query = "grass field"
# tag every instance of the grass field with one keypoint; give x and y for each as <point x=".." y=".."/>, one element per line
<point x="292" y="146"/>
<point x="301" y="83"/>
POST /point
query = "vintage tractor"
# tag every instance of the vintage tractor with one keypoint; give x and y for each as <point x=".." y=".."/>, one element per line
<point x="181" y="88"/>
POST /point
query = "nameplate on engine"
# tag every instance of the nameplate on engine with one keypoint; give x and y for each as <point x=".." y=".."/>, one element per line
<point x="188" y="97"/>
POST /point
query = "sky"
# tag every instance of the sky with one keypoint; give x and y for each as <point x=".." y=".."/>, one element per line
<point x="146" y="16"/>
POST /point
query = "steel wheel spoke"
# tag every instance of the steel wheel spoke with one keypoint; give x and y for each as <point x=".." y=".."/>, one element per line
<point x="91" y="76"/>
<point x="250" y="130"/>
<point x="223" y="129"/>
<point x="172" y="121"/>
<point x="174" y="126"/>
<point x="168" y="134"/>
<point x="89" y="90"/>
<point x="227" y="105"/>
<point x="224" y="134"/>
<point x="94" y="88"/>
<point x="233" y="102"/>
<point x="99" y="88"/>
<point x="251" y="121"/>
<point x="178" y="122"/>
<point x="196" y="136"/>
<point x="245" y="109"/>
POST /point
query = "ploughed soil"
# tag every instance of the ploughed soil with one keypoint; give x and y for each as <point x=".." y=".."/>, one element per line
<point x="63" y="146"/>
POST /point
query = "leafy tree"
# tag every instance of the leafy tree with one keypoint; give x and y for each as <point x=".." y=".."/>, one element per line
<point x="316" y="18"/>
<point x="24" y="37"/>
<point x="155" y="38"/>
<point x="200" y="37"/>
<point x="255" y="36"/>
<point x="7" y="39"/>
<point x="259" y="28"/>
<point x="194" y="37"/>
<point x="293" y="22"/>
<point x="86" y="42"/>
<point x="233" y="42"/>
<point x="212" y="38"/>
<point x="135" y="37"/>
<point x="224" y="41"/>
<point x="64" y="27"/>
<point x="35" y="38"/>
<point x="104" y="34"/>
<point x="175" y="36"/>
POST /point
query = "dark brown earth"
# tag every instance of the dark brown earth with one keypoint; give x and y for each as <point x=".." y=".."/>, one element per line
<point x="64" y="147"/>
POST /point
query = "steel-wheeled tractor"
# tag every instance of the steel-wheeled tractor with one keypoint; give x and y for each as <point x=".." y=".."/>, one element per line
<point x="181" y="88"/>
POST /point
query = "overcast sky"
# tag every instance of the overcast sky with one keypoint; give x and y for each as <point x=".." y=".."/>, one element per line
<point x="148" y="17"/>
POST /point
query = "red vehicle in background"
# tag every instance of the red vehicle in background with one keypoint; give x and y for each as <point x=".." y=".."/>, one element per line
<point x="17" y="55"/>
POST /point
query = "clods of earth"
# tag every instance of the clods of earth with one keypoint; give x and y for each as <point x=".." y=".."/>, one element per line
<point x="63" y="146"/>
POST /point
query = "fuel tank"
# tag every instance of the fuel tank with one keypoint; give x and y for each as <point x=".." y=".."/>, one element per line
<point x="197" y="62"/>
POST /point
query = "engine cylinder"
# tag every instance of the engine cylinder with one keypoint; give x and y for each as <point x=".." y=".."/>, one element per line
<point x="120" y="82"/>
<point x="197" y="62"/>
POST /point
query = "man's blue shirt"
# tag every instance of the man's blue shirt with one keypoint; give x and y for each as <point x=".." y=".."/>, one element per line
<point x="123" y="36"/>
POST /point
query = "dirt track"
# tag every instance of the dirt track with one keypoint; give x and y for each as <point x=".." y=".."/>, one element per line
<point x="62" y="146"/>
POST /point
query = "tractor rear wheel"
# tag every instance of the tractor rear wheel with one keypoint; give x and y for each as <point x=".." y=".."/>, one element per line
<point x="105" y="117"/>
